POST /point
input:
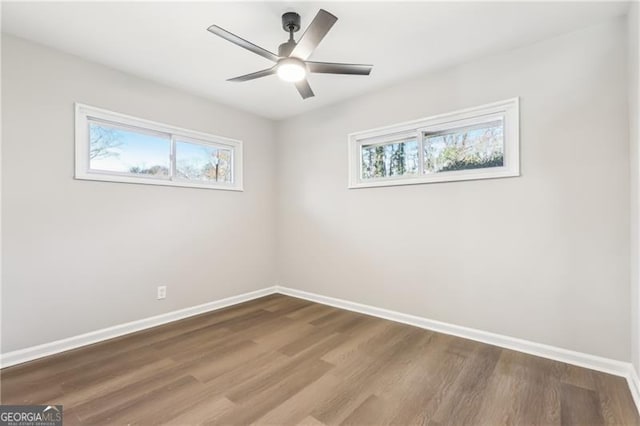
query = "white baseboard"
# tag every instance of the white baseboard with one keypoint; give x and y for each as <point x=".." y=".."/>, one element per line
<point x="611" y="366"/>
<point x="606" y="365"/>
<point x="28" y="354"/>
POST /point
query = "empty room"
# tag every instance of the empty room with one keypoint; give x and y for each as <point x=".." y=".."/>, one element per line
<point x="304" y="213"/>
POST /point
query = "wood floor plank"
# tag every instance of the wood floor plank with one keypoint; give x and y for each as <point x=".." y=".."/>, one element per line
<point x="523" y="389"/>
<point x="113" y="399"/>
<point x="355" y="344"/>
<point x="311" y="312"/>
<point x="434" y="377"/>
<point x="269" y="394"/>
<point x="374" y="351"/>
<point x="289" y="306"/>
<point x="242" y="374"/>
<point x="358" y="379"/>
<point x="311" y="421"/>
<point x="578" y="376"/>
<point x="129" y="409"/>
<point x="265" y="329"/>
<point x="580" y="406"/>
<point x="205" y="412"/>
<point x="75" y="395"/>
<point x="616" y="402"/>
<point x="268" y="379"/>
<point x="332" y="317"/>
<point x="469" y="387"/>
<point x="307" y="340"/>
<point x="279" y="360"/>
<point x="223" y="362"/>
<point x="25" y="392"/>
<point x="296" y="409"/>
<point x="286" y="335"/>
<point x="369" y="412"/>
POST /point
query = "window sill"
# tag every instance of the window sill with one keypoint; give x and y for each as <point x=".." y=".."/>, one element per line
<point x="438" y="178"/>
<point x="161" y="182"/>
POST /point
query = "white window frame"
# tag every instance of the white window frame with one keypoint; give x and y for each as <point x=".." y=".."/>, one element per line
<point x="508" y="110"/>
<point x="85" y="113"/>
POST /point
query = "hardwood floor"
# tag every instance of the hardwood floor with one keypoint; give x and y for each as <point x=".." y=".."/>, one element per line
<point x="281" y="360"/>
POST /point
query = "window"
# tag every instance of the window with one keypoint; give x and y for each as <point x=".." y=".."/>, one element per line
<point x="389" y="159"/>
<point x="118" y="148"/>
<point x="476" y="143"/>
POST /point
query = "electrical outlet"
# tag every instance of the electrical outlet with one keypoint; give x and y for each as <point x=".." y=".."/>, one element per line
<point x="162" y="292"/>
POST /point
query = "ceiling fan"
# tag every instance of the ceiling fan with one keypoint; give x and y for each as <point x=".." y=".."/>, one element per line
<point x="291" y="61"/>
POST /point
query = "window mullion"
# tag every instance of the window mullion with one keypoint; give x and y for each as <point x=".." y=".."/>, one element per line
<point x="420" y="137"/>
<point x="172" y="171"/>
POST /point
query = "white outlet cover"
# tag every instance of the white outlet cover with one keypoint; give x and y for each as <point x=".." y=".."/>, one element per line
<point x="162" y="292"/>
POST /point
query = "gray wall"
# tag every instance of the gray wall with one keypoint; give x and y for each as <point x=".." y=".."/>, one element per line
<point x="543" y="257"/>
<point x="80" y="255"/>
<point x="634" y="143"/>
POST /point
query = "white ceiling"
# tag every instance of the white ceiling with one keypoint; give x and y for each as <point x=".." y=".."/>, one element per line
<point x="168" y="42"/>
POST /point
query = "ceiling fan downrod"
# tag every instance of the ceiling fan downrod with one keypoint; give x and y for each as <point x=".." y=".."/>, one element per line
<point x="291" y="24"/>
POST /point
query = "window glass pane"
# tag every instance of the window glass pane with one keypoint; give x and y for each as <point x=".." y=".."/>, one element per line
<point x="471" y="147"/>
<point x="115" y="149"/>
<point x="389" y="159"/>
<point x="202" y="162"/>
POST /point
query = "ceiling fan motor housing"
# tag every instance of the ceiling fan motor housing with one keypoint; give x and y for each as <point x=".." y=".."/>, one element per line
<point x="290" y="22"/>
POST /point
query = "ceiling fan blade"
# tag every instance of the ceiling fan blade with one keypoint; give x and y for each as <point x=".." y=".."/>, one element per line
<point x="314" y="34"/>
<point x="335" y="68"/>
<point x="254" y="75"/>
<point x="214" y="29"/>
<point x="304" y="89"/>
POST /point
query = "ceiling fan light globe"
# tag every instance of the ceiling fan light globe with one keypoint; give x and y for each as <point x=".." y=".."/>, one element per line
<point x="291" y="70"/>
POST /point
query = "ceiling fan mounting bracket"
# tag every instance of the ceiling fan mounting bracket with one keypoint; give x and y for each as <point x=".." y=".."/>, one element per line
<point x="290" y="22"/>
